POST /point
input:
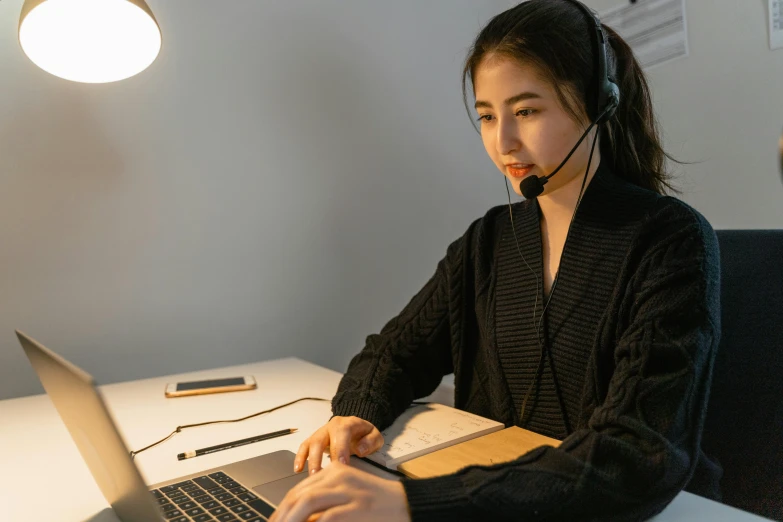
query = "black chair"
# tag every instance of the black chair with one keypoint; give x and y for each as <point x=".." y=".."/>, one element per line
<point x="744" y="425"/>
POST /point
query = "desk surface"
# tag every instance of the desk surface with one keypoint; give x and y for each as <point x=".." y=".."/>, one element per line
<point x="41" y="467"/>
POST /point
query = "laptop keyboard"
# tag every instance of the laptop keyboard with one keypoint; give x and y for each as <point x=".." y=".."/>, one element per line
<point x="214" y="497"/>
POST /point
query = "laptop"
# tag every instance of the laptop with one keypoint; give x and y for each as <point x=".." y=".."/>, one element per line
<point x="248" y="489"/>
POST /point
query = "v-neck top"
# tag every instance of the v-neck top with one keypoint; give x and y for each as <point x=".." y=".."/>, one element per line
<point x="591" y="259"/>
<point x="624" y="360"/>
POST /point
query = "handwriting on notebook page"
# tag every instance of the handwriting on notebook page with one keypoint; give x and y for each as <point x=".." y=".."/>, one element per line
<point x="425" y="428"/>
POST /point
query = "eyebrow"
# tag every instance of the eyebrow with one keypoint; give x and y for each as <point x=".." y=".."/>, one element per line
<point x="519" y="97"/>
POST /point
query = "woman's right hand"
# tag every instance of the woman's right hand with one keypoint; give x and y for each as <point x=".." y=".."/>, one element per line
<point x="343" y="436"/>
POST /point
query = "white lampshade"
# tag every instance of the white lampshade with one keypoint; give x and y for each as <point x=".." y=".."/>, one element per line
<point x="90" y="41"/>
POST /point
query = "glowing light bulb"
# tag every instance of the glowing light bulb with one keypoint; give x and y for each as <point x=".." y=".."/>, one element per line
<point x="90" y="41"/>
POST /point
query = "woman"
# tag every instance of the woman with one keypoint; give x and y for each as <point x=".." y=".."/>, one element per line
<point x="591" y="320"/>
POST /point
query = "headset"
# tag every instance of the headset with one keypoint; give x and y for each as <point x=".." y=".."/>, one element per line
<point x="600" y="110"/>
<point x="607" y="98"/>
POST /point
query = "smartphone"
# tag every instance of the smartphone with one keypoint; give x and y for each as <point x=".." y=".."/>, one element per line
<point x="182" y="389"/>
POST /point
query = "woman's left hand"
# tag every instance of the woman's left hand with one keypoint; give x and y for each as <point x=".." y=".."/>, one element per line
<point x="342" y="493"/>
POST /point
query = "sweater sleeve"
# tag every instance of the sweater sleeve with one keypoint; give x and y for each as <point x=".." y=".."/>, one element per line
<point x="641" y="444"/>
<point x="409" y="357"/>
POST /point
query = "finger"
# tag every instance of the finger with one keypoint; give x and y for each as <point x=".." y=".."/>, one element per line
<point x="340" y="444"/>
<point x="301" y="455"/>
<point x="313" y="481"/>
<point x="370" y="443"/>
<point x="358" y="430"/>
<point x="375" y="440"/>
<point x="313" y="518"/>
<point x="327" y="479"/>
<point x="342" y="513"/>
<point x="304" y="448"/>
<point x="308" y="482"/>
<point x="314" y="500"/>
<point x="316" y="454"/>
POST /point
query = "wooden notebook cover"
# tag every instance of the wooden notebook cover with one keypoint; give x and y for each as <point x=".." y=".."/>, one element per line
<point x="501" y="446"/>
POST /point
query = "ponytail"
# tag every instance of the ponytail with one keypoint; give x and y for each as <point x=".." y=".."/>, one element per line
<point x="630" y="140"/>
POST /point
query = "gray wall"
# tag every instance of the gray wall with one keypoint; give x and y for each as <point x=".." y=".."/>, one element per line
<point x="280" y="182"/>
<point x="287" y="174"/>
<point x="722" y="108"/>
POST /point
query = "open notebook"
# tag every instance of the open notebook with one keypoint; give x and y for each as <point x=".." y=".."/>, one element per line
<point x="425" y="428"/>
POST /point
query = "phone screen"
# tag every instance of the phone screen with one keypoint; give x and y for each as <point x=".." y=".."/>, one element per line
<point x="214" y="383"/>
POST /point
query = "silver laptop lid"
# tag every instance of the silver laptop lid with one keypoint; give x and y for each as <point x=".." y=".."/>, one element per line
<point x="92" y="428"/>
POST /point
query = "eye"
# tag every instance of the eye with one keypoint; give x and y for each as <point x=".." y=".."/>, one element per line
<point x="524" y="112"/>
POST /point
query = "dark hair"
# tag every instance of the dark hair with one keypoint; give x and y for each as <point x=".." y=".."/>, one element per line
<point x="553" y="36"/>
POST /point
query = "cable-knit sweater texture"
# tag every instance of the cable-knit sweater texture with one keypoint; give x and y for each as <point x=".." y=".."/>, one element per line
<point x="624" y="361"/>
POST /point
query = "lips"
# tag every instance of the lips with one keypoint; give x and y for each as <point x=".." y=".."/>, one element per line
<point x="519" y="170"/>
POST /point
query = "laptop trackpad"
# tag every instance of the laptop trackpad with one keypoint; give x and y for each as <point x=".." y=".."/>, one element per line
<point x="276" y="490"/>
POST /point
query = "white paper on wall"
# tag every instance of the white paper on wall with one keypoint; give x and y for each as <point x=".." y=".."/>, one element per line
<point x="775" y="24"/>
<point x="656" y="30"/>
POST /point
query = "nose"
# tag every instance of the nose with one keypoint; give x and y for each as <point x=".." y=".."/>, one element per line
<point x="508" y="140"/>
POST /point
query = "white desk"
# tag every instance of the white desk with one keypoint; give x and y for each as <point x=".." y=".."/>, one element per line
<point x="40" y="466"/>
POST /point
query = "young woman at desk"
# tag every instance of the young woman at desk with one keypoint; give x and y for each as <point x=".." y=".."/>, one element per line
<point x="595" y="321"/>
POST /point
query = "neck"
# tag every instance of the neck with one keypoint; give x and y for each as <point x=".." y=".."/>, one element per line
<point x="558" y="208"/>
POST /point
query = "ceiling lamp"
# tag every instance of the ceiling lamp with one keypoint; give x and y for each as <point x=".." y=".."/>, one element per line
<point x="90" y="41"/>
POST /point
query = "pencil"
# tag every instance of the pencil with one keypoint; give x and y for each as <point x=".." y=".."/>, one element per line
<point x="234" y="444"/>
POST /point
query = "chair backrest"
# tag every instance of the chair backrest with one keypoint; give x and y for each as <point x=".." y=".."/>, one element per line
<point x="744" y="424"/>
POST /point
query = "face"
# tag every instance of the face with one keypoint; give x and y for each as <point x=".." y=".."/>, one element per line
<point x="523" y="124"/>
